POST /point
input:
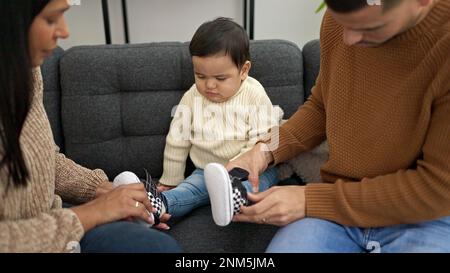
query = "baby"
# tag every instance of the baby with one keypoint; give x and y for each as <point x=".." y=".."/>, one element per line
<point x="220" y="117"/>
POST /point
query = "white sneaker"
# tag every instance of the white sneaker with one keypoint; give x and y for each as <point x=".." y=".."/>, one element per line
<point x="127" y="178"/>
<point x="226" y="192"/>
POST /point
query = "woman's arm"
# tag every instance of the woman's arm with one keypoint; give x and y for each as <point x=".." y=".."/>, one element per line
<point x="76" y="184"/>
<point x="47" y="232"/>
<point x="53" y="230"/>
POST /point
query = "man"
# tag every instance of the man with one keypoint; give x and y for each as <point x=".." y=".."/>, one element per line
<point x="382" y="100"/>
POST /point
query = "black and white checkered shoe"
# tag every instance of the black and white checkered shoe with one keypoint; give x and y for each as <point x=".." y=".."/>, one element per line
<point x="226" y="192"/>
<point x="127" y="178"/>
<point x="155" y="197"/>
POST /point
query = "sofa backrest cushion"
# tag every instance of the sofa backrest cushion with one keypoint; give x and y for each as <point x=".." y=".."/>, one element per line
<point x="311" y="65"/>
<point x="116" y="100"/>
<point x="52" y="94"/>
<point x="278" y="65"/>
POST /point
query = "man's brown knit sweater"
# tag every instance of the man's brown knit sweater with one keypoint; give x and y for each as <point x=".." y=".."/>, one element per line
<point x="31" y="218"/>
<point x="386" y="114"/>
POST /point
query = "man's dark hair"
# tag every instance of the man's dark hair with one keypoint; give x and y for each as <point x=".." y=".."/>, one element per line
<point x="221" y="35"/>
<point x="345" y="6"/>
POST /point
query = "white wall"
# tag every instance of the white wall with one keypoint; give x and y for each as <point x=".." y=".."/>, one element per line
<point x="176" y="20"/>
<point x="293" y="20"/>
<point x="85" y="24"/>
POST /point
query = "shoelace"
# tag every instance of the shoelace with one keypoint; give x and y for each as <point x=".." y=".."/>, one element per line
<point x="148" y="183"/>
<point x="151" y="188"/>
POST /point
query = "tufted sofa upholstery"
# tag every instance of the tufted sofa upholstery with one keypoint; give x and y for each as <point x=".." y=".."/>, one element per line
<point x="110" y="108"/>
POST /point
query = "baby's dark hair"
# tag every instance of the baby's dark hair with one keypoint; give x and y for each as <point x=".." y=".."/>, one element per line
<point x="221" y="35"/>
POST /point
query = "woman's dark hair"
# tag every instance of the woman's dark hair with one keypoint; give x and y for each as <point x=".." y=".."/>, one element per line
<point x="221" y="35"/>
<point x="345" y="6"/>
<point x="16" y="82"/>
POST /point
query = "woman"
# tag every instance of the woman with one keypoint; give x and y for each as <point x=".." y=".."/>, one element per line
<point x="33" y="174"/>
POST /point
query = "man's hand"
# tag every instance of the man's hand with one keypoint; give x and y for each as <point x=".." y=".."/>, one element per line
<point x="277" y="206"/>
<point x="254" y="161"/>
<point x="103" y="188"/>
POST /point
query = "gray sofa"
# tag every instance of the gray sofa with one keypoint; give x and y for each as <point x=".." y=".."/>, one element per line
<point x="110" y="108"/>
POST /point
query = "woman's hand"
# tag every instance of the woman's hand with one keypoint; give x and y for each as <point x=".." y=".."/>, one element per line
<point x="117" y="204"/>
<point x="163" y="222"/>
<point x="277" y="206"/>
<point x="103" y="188"/>
<point x="254" y="161"/>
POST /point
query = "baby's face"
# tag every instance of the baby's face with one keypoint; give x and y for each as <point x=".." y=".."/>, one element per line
<point x="217" y="78"/>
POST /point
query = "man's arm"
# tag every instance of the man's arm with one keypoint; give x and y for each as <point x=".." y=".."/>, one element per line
<point x="406" y="196"/>
<point x="303" y="131"/>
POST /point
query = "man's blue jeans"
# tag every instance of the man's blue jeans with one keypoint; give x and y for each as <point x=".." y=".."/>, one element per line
<point x="192" y="192"/>
<point x="319" y="236"/>
<point x="127" y="237"/>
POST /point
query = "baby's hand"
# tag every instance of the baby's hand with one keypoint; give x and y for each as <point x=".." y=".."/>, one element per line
<point x="162" y="187"/>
